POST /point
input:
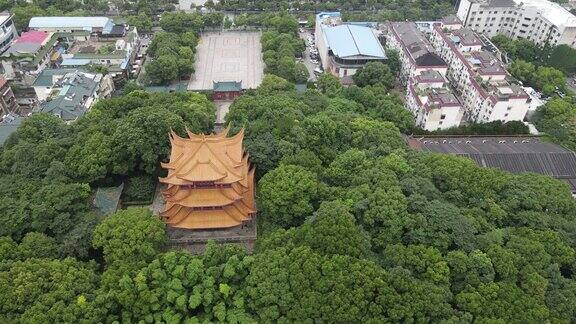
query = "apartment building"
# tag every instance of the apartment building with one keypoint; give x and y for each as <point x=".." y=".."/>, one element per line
<point x="488" y="93"/>
<point x="540" y="21"/>
<point x="432" y="102"/>
<point x="414" y="50"/>
<point x="428" y="94"/>
<point x="29" y="54"/>
<point x="7" y="31"/>
<point x="8" y="103"/>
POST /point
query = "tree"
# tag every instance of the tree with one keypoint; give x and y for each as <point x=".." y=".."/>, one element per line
<point x="301" y="73"/>
<point x="502" y="301"/>
<point x="424" y="262"/>
<point x="558" y="118"/>
<point x="179" y="22"/>
<point x="176" y="286"/>
<point x="563" y="58"/>
<point x="23" y="14"/>
<point x="287" y="194"/>
<point x="393" y="61"/>
<point x="43" y="290"/>
<point x="37" y="245"/>
<point x="272" y="84"/>
<point x="130" y="236"/>
<point x="374" y="73"/>
<point x="549" y="79"/>
<point x="333" y="230"/>
<point x="141" y="139"/>
<point x="329" y="85"/>
<point x="163" y="69"/>
<point x="40" y="127"/>
<point x="375" y="136"/>
<point x="90" y="157"/>
<point x="142" y="22"/>
<point x="523" y="71"/>
<point x="131" y="86"/>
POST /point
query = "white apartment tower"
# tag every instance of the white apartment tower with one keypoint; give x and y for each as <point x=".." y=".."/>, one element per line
<point x="540" y="21"/>
<point x="7" y="31"/>
<point x="488" y="93"/>
<point x="415" y="52"/>
<point x="432" y="102"/>
<point x="428" y="94"/>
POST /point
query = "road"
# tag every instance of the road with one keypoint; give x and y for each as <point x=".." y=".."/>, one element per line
<point x="571" y="84"/>
<point x="306" y="56"/>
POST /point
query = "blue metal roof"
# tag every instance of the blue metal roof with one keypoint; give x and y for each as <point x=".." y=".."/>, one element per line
<point x="74" y="62"/>
<point x="351" y="40"/>
<point x="321" y="15"/>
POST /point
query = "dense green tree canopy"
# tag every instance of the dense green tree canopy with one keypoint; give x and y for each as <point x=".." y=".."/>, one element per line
<point x="352" y="225"/>
<point x="374" y="73"/>
<point x="130" y="235"/>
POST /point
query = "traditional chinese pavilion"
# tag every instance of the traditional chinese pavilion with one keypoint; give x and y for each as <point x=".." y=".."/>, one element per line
<point x="210" y="182"/>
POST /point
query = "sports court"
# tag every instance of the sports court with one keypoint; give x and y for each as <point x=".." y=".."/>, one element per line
<point x="228" y="56"/>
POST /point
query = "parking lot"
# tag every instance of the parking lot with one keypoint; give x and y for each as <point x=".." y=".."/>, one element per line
<point x="310" y="56"/>
<point x="228" y="56"/>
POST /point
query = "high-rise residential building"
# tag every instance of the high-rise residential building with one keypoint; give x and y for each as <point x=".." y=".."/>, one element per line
<point x="7" y="31"/>
<point x="488" y="93"/>
<point x="541" y="21"/>
<point x="414" y="50"/>
<point x="429" y="96"/>
<point x="431" y="100"/>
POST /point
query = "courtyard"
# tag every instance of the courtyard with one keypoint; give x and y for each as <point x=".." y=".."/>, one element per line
<point x="228" y="56"/>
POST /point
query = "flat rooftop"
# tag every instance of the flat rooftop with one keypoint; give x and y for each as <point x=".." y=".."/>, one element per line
<point x="466" y="36"/>
<point x="4" y="16"/>
<point x="515" y="154"/>
<point x="485" y="62"/>
<point x="551" y="11"/>
<point x="451" y="20"/>
<point x="228" y="56"/>
<point x="430" y="76"/>
<point x="437" y="97"/>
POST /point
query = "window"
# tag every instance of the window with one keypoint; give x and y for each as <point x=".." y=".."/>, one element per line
<point x="506" y="115"/>
<point x="442" y="117"/>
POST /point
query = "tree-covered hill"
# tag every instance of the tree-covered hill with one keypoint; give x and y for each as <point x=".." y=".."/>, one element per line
<point x="353" y="226"/>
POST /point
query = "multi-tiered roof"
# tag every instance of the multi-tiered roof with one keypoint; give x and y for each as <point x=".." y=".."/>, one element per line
<point x="210" y="182"/>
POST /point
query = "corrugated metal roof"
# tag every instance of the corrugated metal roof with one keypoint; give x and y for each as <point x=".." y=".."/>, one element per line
<point x="515" y="154"/>
<point x="69" y="22"/>
<point x="351" y="40"/>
